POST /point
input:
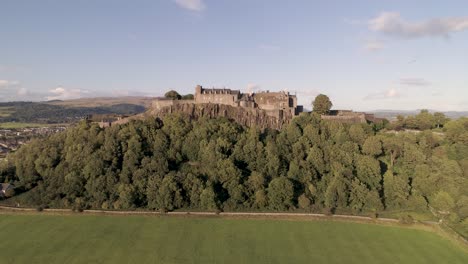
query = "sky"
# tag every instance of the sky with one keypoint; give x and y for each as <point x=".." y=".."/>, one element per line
<point x="363" y="54"/>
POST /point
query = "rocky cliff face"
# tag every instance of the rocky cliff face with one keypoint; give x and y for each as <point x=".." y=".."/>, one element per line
<point x="244" y="116"/>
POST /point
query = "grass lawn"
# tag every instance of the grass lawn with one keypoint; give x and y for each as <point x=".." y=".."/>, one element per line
<point x="149" y="239"/>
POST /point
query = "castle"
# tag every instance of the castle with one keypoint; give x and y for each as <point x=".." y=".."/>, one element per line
<point x="274" y="104"/>
<point x="261" y="109"/>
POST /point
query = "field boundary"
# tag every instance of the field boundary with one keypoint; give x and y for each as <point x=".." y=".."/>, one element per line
<point x="430" y="226"/>
<point x="200" y="213"/>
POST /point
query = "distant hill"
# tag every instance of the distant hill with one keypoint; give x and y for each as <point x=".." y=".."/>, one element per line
<point x="392" y="114"/>
<point x="70" y="111"/>
<point x="103" y="101"/>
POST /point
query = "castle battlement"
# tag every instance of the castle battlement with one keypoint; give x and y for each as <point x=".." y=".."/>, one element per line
<point x="272" y="102"/>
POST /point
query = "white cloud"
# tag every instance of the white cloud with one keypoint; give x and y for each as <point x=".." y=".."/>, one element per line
<point x="193" y="5"/>
<point x="391" y="23"/>
<point x="374" y="45"/>
<point x="6" y="83"/>
<point x="22" y="91"/>
<point x="252" y="87"/>
<point x="391" y="93"/>
<point x="61" y="93"/>
<point x="414" y="82"/>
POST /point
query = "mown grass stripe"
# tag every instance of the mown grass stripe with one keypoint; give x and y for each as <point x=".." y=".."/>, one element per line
<point x="147" y="239"/>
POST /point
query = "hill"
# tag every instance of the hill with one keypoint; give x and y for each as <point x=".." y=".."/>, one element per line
<point x="62" y="111"/>
<point x="104" y="101"/>
<point x="392" y="114"/>
<point x="216" y="164"/>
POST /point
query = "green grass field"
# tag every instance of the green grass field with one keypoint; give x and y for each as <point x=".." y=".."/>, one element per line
<point x="150" y="239"/>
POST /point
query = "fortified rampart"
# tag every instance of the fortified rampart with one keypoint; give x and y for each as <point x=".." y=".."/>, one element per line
<point x="217" y="96"/>
<point x="163" y="102"/>
<point x="263" y="109"/>
<point x="271" y="102"/>
<point x="350" y="117"/>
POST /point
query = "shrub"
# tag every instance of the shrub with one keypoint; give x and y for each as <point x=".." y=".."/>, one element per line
<point x="406" y="219"/>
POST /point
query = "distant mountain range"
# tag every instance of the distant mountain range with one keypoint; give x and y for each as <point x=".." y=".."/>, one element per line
<point x="392" y="114"/>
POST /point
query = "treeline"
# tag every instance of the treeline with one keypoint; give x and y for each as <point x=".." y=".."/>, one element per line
<point x="218" y="165"/>
<point x="174" y="95"/>
<point x="422" y="121"/>
<point x="31" y="112"/>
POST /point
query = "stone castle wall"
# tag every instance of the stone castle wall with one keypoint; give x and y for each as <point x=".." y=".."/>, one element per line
<point x="351" y="117"/>
<point x="270" y="102"/>
<point x="263" y="109"/>
<point x="276" y="101"/>
<point x="346" y="119"/>
<point x="226" y="99"/>
<point x="161" y="103"/>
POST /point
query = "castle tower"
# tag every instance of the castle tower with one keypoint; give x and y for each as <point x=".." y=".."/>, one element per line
<point x="198" y="91"/>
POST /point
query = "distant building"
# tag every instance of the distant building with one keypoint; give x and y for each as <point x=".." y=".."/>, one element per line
<point x="351" y="117"/>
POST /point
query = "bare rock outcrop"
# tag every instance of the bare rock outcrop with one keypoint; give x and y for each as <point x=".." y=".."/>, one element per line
<point x="244" y="116"/>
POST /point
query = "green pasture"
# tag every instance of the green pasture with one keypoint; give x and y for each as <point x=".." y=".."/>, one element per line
<point x="39" y="238"/>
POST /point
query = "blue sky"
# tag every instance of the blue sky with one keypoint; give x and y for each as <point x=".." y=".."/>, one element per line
<point x="364" y="54"/>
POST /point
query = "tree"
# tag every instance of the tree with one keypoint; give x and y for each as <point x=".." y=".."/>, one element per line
<point x="260" y="199"/>
<point x="358" y="196"/>
<point x="304" y="202"/>
<point x="440" y="119"/>
<point x="424" y="120"/>
<point x="395" y="191"/>
<point x="373" y="202"/>
<point x="280" y="193"/>
<point x="169" y="194"/>
<point x="173" y="95"/>
<point x="368" y="171"/>
<point x="443" y="202"/>
<point x="372" y="146"/>
<point x="187" y="97"/>
<point x="126" y="197"/>
<point x="322" y="104"/>
<point x="392" y="147"/>
<point x="336" y="194"/>
<point x="357" y="133"/>
<point x="208" y="199"/>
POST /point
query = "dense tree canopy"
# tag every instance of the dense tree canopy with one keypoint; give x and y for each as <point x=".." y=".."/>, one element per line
<point x="215" y="164"/>
<point x="422" y="121"/>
